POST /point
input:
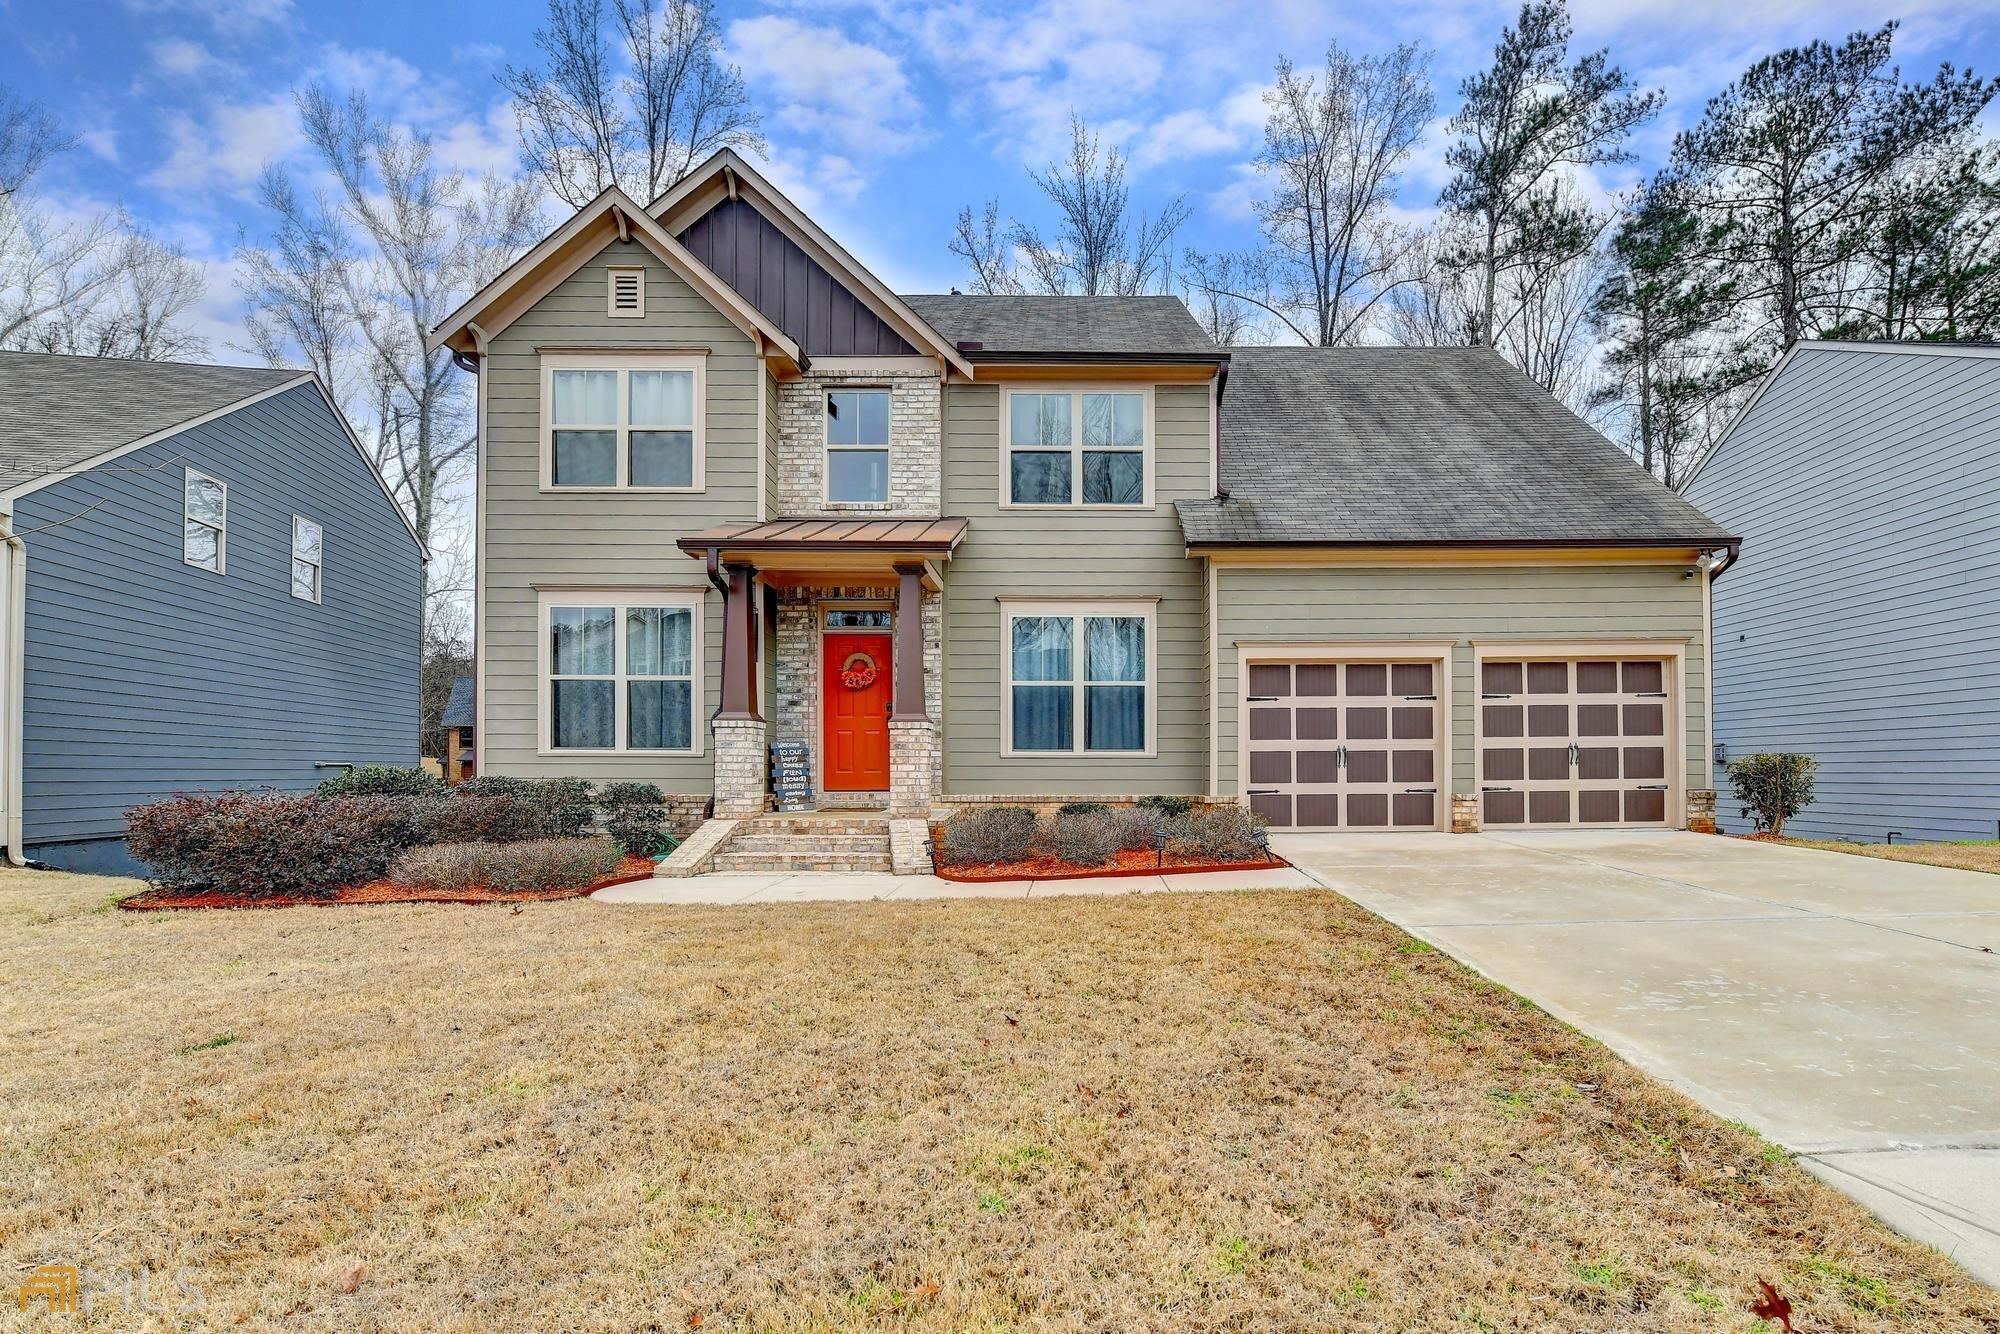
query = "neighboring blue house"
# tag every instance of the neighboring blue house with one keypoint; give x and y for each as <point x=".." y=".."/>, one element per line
<point x="205" y="586"/>
<point x="1862" y="624"/>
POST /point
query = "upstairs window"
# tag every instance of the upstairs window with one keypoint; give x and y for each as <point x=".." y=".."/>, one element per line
<point x="1077" y="447"/>
<point x="204" y="521"/>
<point x="625" y="294"/>
<point x="624" y="425"/>
<point x="857" y="446"/>
<point x="307" y="542"/>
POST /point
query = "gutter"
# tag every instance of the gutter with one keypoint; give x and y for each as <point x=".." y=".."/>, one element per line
<point x="13" y="691"/>
<point x="978" y="356"/>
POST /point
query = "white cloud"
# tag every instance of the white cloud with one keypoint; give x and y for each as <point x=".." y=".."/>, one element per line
<point x="1232" y="126"/>
<point x="230" y="147"/>
<point x="100" y="143"/>
<point x="829" y="87"/>
<point x="226" y="15"/>
<point x="179" y="58"/>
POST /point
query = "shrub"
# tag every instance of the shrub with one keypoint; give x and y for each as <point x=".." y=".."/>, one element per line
<point x="1081" y="808"/>
<point x="1773" y="787"/>
<point x="1228" y="833"/>
<point x="1171" y="807"/>
<point x="1140" y="828"/>
<point x="634" y="814"/>
<point x="267" y="845"/>
<point x="977" y="834"/>
<point x="566" y="801"/>
<point x="381" y="780"/>
<point x="555" y="863"/>
<point x="477" y="818"/>
<point x="1089" y="839"/>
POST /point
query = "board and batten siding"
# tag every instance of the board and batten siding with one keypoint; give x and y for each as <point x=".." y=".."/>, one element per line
<point x="1460" y="605"/>
<point x="1862" y="623"/>
<point x="1062" y="555"/>
<point x="536" y="539"/>
<point x="146" y="676"/>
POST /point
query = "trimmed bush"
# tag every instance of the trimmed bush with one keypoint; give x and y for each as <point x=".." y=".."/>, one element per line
<point x="1171" y="807"/>
<point x="634" y="814"/>
<point x="1229" y="833"/>
<point x="270" y="845"/>
<point x="567" y="802"/>
<point x="381" y="780"/>
<point x="1081" y="808"/>
<point x="1773" y="787"/>
<point x="556" y="863"/>
<point x="981" y="834"/>
<point x="459" y="818"/>
<point x="1091" y="838"/>
<point x="1140" y="828"/>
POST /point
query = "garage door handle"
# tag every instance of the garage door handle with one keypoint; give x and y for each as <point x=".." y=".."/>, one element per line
<point x="1650" y="694"/>
<point x="1496" y="789"/>
<point x="1262" y="699"/>
<point x="1493" y="696"/>
<point x="1652" y="787"/>
<point x="1415" y="697"/>
<point x="1421" y="791"/>
<point x="1262" y="792"/>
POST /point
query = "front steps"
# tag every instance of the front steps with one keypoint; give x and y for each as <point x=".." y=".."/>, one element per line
<point x="805" y="843"/>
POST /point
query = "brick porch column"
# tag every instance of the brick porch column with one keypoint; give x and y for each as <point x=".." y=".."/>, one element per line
<point x="737" y="727"/>
<point x="912" y="732"/>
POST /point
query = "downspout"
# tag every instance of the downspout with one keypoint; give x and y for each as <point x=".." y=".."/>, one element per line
<point x="16" y="684"/>
<point x="1714" y="566"/>
<point x="715" y="578"/>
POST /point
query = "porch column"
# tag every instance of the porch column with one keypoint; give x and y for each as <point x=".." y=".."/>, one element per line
<point x="913" y="742"/>
<point x="737" y="727"/>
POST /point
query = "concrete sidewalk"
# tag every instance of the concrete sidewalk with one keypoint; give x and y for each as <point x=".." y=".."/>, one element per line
<point x="722" y="889"/>
<point x="1847" y="1007"/>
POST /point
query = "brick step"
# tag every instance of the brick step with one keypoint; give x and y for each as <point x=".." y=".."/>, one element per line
<point x="813" y="842"/>
<point x="814" y="824"/>
<point x="800" y="861"/>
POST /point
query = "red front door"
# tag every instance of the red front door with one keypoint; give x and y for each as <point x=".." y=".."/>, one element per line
<point x="855" y="691"/>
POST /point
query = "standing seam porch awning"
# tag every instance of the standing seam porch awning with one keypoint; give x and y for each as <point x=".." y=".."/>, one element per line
<point x="832" y="545"/>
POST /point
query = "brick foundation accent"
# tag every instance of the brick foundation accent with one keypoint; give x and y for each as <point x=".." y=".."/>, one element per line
<point x="1701" y="811"/>
<point x="1465" y="812"/>
<point x="913" y="766"/>
<point x="740" y="764"/>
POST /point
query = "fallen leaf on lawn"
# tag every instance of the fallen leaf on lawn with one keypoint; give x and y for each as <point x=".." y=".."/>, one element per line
<point x="928" y="1288"/>
<point x="350" y="1277"/>
<point x="1771" y="1306"/>
<point x="1011" y="1020"/>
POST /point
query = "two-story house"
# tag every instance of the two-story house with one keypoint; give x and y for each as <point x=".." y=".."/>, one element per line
<point x="733" y="493"/>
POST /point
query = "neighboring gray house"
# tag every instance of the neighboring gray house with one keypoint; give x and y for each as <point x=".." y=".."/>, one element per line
<point x="206" y="586"/>
<point x="734" y="493"/>
<point x="1862" y="624"/>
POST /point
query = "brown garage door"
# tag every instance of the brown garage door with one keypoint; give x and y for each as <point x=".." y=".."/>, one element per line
<point x="1343" y="745"/>
<point x="1574" y="742"/>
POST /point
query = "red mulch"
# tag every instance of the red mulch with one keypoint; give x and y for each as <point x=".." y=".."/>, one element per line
<point x="387" y="891"/>
<point x="1124" y="863"/>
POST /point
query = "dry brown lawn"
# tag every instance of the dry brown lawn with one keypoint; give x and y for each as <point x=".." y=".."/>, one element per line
<point x="1962" y="856"/>
<point x="1257" y="1111"/>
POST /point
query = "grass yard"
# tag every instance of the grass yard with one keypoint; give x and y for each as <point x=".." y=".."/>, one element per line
<point x="1255" y="1111"/>
<point x="1961" y="856"/>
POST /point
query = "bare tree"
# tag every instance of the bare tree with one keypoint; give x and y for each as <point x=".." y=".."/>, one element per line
<point x="49" y="270"/>
<point x="985" y="246"/>
<point x="1549" y="329"/>
<point x="1206" y="291"/>
<point x="29" y="137"/>
<point x="136" y="314"/>
<point x="1522" y="120"/>
<point x="355" y="282"/>
<point x="584" y="125"/>
<point x="1333" y="147"/>
<point x="1432" y="304"/>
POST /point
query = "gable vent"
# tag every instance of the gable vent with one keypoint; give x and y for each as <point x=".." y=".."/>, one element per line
<point x="627" y="296"/>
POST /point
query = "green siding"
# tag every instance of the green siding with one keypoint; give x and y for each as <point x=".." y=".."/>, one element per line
<point x="1458" y="605"/>
<point x="535" y="538"/>
<point x="1081" y="554"/>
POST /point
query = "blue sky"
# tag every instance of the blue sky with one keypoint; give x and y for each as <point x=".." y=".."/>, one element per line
<point x="884" y="116"/>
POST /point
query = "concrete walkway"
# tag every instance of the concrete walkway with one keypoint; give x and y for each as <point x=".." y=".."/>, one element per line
<point x="1847" y="1007"/>
<point x="822" y="886"/>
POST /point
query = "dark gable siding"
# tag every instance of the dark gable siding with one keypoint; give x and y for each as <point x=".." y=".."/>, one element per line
<point x="146" y="676"/>
<point x="769" y="270"/>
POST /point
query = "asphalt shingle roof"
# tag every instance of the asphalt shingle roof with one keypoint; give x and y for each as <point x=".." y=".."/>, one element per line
<point x="59" y="412"/>
<point x="1052" y="325"/>
<point x="458" y="705"/>
<point x="1403" y="444"/>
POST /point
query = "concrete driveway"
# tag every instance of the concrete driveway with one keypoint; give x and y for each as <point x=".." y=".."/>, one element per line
<point x="1848" y="1008"/>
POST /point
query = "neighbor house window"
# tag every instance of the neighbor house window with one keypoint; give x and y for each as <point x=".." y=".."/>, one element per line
<point x="633" y="424"/>
<point x="306" y="555"/>
<point x="1079" y="678"/>
<point x="1076" y="447"/>
<point x="204" y="521"/>
<point x="857" y="445"/>
<point x="619" y="672"/>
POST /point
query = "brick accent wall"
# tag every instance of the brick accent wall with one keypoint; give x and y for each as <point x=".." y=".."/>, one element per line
<point x="916" y="433"/>
<point x="1465" y="812"/>
<point x="915" y="764"/>
<point x="740" y="763"/>
<point x="1701" y="810"/>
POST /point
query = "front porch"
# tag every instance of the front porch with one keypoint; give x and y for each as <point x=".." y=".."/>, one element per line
<point x="831" y="671"/>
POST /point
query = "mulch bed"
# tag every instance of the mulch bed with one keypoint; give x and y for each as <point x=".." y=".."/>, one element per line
<point x="1124" y="863"/>
<point x="385" y="891"/>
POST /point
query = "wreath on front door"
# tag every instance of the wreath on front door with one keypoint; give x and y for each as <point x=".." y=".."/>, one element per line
<point x="858" y="672"/>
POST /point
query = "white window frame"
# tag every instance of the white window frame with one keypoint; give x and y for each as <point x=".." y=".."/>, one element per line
<point x="611" y="277"/>
<point x="620" y="600"/>
<point x="1078" y="610"/>
<point x="1076" y="391"/>
<point x="623" y="364"/>
<point x="318" y="566"/>
<point x="828" y="449"/>
<point x="188" y="477"/>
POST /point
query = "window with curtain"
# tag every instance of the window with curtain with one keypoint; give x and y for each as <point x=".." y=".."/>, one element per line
<point x="307" y="548"/>
<point x="627" y="426"/>
<point x="1077" y="679"/>
<point x="857" y="445"/>
<point x="204" y="517"/>
<point x="1076" y="448"/>
<point x="621" y="676"/>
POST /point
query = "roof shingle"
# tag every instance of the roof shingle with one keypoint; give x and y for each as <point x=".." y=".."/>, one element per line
<point x="1130" y="326"/>
<point x="1403" y="444"/>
